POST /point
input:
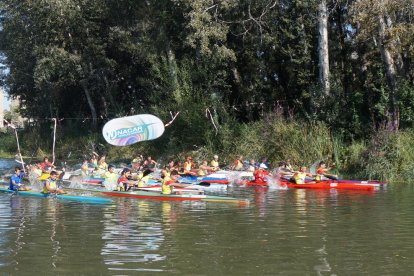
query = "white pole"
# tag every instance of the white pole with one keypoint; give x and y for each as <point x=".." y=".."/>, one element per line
<point x="18" y="144"/>
<point x="54" y="141"/>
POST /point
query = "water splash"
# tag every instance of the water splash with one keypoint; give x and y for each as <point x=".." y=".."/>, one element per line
<point x="274" y="183"/>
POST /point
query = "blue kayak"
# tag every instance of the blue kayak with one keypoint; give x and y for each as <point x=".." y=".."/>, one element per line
<point x="63" y="196"/>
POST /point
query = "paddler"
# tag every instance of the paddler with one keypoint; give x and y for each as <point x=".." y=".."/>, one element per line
<point x="171" y="166"/>
<point x="260" y="174"/>
<point x="111" y="178"/>
<point x="284" y="170"/>
<point x="289" y="166"/>
<point x="94" y="160"/>
<point x="46" y="164"/>
<point x="188" y="165"/>
<point x="143" y="178"/>
<point x="149" y="163"/>
<point x="50" y="184"/>
<point x="322" y="171"/>
<point x="124" y="184"/>
<point x="203" y="169"/>
<point x="36" y="170"/>
<point x="300" y="176"/>
<point x="85" y="169"/>
<point x="16" y="179"/>
<point x="238" y="164"/>
<point x="251" y="167"/>
<point x="215" y="163"/>
<point x="102" y="165"/>
<point x="168" y="182"/>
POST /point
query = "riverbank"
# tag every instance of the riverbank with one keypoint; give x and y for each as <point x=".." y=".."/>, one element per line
<point x="385" y="156"/>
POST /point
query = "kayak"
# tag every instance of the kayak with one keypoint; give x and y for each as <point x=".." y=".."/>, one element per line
<point x="157" y="188"/>
<point x="205" y="179"/>
<point x="326" y="184"/>
<point x="337" y="184"/>
<point x="63" y="196"/>
<point x="181" y="197"/>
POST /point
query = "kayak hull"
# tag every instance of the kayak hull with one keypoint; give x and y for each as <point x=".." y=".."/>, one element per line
<point x="63" y="196"/>
<point x="327" y="184"/>
<point x="336" y="184"/>
<point x="176" y="197"/>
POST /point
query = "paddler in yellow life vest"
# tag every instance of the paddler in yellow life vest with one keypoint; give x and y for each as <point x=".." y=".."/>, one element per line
<point x="238" y="164"/>
<point x="300" y="176"/>
<point x="50" y="184"/>
<point x="143" y="178"/>
<point x="203" y="169"/>
<point x="188" y="165"/>
<point x="111" y="178"/>
<point x="102" y="165"/>
<point x="215" y="163"/>
<point x="167" y="181"/>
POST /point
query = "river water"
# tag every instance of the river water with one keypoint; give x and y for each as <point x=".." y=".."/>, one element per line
<point x="286" y="232"/>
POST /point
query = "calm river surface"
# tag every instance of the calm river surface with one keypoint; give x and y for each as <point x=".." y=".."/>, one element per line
<point x="287" y="232"/>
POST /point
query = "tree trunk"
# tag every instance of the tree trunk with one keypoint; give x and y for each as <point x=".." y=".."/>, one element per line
<point x="90" y="103"/>
<point x="390" y="72"/>
<point x="323" y="50"/>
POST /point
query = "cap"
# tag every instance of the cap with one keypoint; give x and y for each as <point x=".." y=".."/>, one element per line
<point x="263" y="166"/>
<point x="215" y="156"/>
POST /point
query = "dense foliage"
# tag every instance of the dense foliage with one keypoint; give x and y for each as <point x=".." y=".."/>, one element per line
<point x="225" y="64"/>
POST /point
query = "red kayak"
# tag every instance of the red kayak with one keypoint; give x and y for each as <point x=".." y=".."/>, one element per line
<point x="327" y="184"/>
<point x="336" y="184"/>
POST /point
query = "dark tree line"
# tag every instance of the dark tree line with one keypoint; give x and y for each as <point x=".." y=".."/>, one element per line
<point x="347" y="63"/>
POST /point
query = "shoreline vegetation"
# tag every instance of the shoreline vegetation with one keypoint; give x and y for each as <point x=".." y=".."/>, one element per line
<point x="387" y="156"/>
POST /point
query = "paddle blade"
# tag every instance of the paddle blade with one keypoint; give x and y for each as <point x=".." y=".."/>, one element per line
<point x="132" y="129"/>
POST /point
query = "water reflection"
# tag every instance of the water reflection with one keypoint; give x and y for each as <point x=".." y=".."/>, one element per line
<point x="132" y="235"/>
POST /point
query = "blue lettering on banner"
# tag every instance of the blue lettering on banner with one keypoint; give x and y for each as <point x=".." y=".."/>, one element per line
<point x="126" y="132"/>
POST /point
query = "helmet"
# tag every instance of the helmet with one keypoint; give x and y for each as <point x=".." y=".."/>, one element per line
<point x="215" y="156"/>
<point x="263" y="166"/>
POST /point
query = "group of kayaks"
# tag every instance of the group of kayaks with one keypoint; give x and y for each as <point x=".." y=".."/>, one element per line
<point x="194" y="192"/>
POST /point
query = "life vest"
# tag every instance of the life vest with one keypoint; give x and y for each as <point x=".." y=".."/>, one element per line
<point x="319" y="173"/>
<point x="238" y="165"/>
<point x="187" y="166"/>
<point x="52" y="185"/>
<point x="300" y="177"/>
<point x="144" y="180"/>
<point x="259" y="176"/>
<point x="110" y="176"/>
<point x="166" y="188"/>
<point x="122" y="183"/>
<point x="214" y="164"/>
<point x="103" y="166"/>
